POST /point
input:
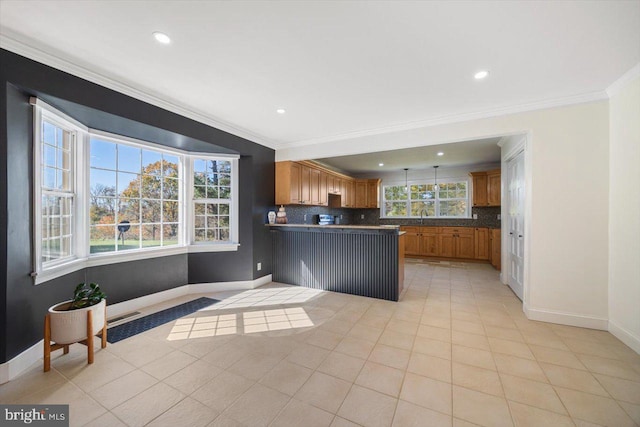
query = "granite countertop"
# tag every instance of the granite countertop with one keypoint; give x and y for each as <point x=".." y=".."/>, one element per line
<point x="370" y="227"/>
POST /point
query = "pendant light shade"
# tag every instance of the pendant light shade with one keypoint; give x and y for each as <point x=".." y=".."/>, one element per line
<point x="406" y="180"/>
<point x="435" y="185"/>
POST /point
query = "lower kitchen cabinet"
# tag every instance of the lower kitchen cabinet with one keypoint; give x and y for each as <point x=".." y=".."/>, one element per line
<point x="496" y="251"/>
<point x="481" y="241"/>
<point x="457" y="242"/>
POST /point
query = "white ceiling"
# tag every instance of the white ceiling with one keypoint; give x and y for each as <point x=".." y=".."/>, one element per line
<point x="465" y="153"/>
<point x="338" y="68"/>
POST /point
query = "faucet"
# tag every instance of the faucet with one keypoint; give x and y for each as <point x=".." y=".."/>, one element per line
<point x="423" y="211"/>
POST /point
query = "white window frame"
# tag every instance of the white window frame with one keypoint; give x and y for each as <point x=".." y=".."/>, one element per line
<point x="131" y="142"/>
<point x="82" y="257"/>
<point x="436" y="200"/>
<point x="211" y="246"/>
<point x="42" y="112"/>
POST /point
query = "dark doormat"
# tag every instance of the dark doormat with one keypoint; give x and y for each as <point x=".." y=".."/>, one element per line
<point x="134" y="327"/>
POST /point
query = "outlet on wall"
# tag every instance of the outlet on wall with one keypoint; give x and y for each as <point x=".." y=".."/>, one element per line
<point x="499" y="217"/>
<point x="475" y="216"/>
<point x="305" y="217"/>
<point x="259" y="266"/>
<point x="361" y="216"/>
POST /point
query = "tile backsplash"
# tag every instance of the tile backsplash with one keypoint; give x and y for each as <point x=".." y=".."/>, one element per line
<point x="487" y="217"/>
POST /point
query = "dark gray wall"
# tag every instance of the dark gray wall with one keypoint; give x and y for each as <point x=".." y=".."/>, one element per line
<point x="23" y="305"/>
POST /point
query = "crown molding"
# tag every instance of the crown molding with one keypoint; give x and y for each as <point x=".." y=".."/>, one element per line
<point x="627" y="77"/>
<point x="457" y="118"/>
<point x="38" y="53"/>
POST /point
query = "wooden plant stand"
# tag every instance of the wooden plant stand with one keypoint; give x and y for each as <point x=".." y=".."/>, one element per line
<point x="49" y="346"/>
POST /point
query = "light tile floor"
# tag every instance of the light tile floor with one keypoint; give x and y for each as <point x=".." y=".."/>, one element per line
<point x="455" y="351"/>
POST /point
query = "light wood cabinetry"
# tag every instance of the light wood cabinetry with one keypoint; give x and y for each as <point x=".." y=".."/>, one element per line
<point x="481" y="242"/>
<point x="486" y="188"/>
<point x="367" y="193"/>
<point x="457" y="242"/>
<point x="495" y="245"/>
<point x="306" y="183"/>
<point x="493" y="188"/>
<point x="422" y="241"/>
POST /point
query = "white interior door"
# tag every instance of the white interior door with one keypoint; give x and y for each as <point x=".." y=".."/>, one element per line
<point x="515" y="173"/>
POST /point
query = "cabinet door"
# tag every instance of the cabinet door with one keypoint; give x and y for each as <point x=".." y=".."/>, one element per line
<point x="324" y="192"/>
<point x="481" y="242"/>
<point x="428" y="244"/>
<point x="373" y="194"/>
<point x="464" y="246"/>
<point x="493" y="188"/>
<point x="331" y="180"/>
<point x="411" y="240"/>
<point x="295" y="196"/>
<point x="446" y="245"/>
<point x="479" y="188"/>
<point x="351" y="187"/>
<point x="361" y="194"/>
<point x="495" y="248"/>
<point x="315" y="187"/>
<point x="305" y="185"/>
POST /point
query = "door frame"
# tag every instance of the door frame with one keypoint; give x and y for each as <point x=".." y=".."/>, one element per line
<point x="511" y="146"/>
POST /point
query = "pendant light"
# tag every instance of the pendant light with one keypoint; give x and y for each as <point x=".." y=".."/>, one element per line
<point x="406" y="180"/>
<point x="435" y="185"/>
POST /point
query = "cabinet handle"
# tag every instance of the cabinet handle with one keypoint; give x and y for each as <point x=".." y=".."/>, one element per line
<point x="519" y="235"/>
<point x="511" y="234"/>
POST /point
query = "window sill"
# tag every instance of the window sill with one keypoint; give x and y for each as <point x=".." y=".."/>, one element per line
<point x="222" y="247"/>
<point x="126" y="256"/>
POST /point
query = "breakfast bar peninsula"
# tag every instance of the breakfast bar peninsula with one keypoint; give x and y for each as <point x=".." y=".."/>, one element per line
<point x="358" y="259"/>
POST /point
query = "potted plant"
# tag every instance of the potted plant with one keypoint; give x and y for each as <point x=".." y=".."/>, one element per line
<point x="76" y="320"/>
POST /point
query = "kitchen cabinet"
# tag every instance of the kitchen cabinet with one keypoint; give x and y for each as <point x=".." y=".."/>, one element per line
<point x="421" y="241"/>
<point x="367" y="193"/>
<point x="324" y="193"/>
<point x="373" y="193"/>
<point x="456" y="242"/>
<point x="481" y="242"/>
<point x="495" y="245"/>
<point x="486" y="188"/>
<point x="493" y="187"/>
<point x="314" y="182"/>
<point x="305" y="185"/>
<point x="288" y="183"/>
<point x="361" y="193"/>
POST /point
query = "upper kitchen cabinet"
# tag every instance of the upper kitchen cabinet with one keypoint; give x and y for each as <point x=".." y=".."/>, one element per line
<point x="367" y="193"/>
<point x="288" y="189"/>
<point x="486" y="188"/>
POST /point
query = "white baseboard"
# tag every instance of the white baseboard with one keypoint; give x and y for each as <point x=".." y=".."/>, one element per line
<point x="14" y="367"/>
<point x="569" y="319"/>
<point x="625" y="336"/>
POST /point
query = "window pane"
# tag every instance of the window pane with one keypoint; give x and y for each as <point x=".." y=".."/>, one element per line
<point x="212" y="180"/>
<point x="103" y="154"/>
<point x="395" y="208"/>
<point x="49" y="178"/>
<point x="151" y="235"/>
<point x="223" y="209"/>
<point x="101" y="179"/>
<point x="426" y="208"/>
<point x="129" y="210"/>
<point x="48" y="155"/>
<point x="150" y="211"/>
<point x="151" y="186"/>
<point x="128" y="238"/>
<point x="169" y="234"/>
<point x="396" y="192"/>
<point x="170" y="189"/>
<point x="199" y="165"/>
<point x="102" y="239"/>
<point x="128" y="185"/>
<point x="151" y="161"/>
<point x="170" y="212"/>
<point x="128" y="159"/>
<point x="212" y="192"/>
<point x="102" y="210"/>
<point x="224" y="193"/>
<point x="170" y="165"/>
<point x="48" y="133"/>
<point x="224" y="234"/>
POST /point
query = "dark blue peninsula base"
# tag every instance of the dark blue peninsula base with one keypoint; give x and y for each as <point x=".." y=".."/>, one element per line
<point x="358" y="260"/>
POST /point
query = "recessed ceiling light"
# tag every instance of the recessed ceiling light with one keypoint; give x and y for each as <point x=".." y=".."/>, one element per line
<point x="380" y="164"/>
<point x="481" y="74"/>
<point x="162" y="37"/>
<point x="440" y="153"/>
<point x="281" y="111"/>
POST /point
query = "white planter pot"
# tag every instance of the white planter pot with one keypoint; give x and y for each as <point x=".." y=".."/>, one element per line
<point x="68" y="327"/>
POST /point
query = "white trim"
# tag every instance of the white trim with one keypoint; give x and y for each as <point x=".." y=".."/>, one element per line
<point x="625" y="336"/>
<point x="40" y="53"/>
<point x="565" y="318"/>
<point x="14" y="367"/>
<point x="626" y="78"/>
<point x="457" y="118"/>
<point x="58" y="115"/>
<point x="219" y="247"/>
